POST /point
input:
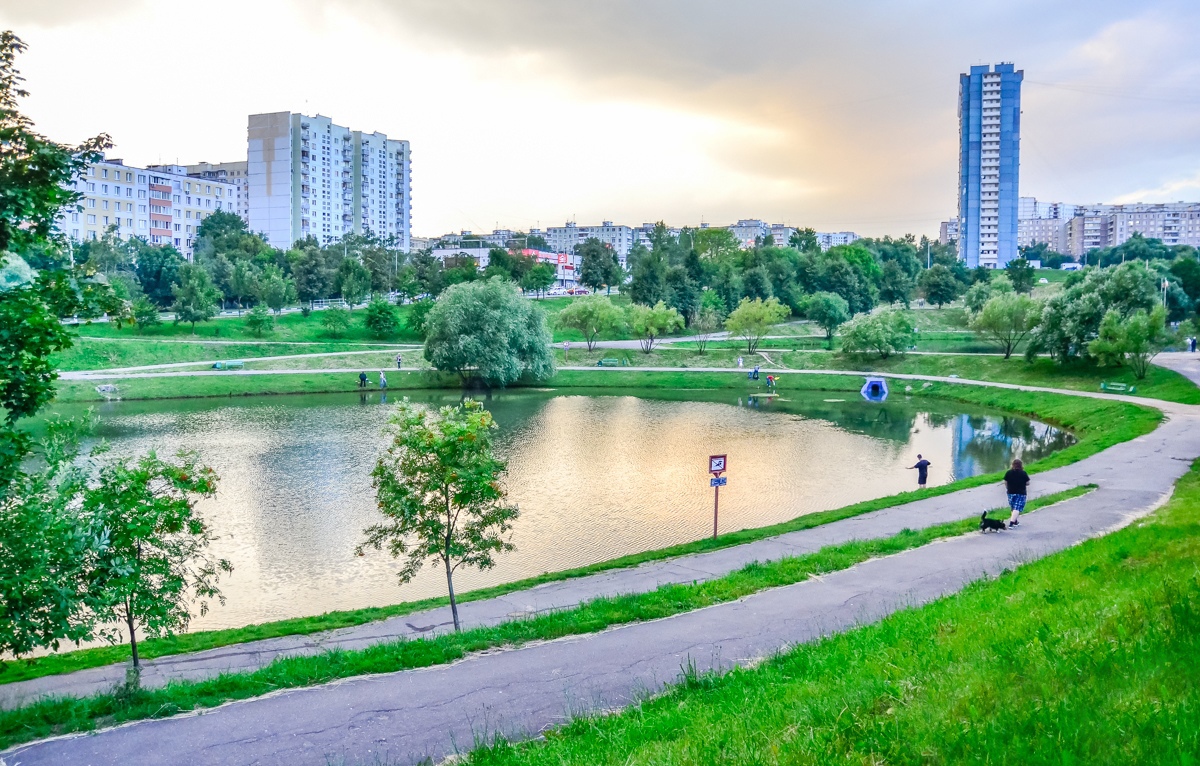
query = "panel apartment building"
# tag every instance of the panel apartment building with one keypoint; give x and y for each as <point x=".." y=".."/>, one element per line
<point x="227" y="172"/>
<point x="160" y="203"/>
<point x="989" y="116"/>
<point x="309" y="177"/>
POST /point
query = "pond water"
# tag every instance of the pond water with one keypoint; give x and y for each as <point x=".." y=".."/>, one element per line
<point x="595" y="476"/>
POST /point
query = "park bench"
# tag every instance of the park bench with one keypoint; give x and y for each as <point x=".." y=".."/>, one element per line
<point x="229" y="365"/>
<point x="1120" y="388"/>
<point x="612" y="362"/>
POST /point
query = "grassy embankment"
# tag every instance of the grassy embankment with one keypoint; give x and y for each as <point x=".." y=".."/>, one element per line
<point x="58" y="716"/>
<point x="1097" y="425"/>
<point x="1087" y="656"/>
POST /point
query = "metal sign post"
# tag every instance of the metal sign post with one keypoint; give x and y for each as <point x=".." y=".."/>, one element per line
<point x="716" y="466"/>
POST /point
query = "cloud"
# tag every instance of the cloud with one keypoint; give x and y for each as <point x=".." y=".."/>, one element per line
<point x="62" y="13"/>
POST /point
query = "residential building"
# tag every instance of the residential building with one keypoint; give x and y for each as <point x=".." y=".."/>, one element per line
<point x="309" y="177"/>
<point x="948" y="231"/>
<point x="1047" y="222"/>
<point x="161" y="203"/>
<point x="228" y="172"/>
<point x="564" y="239"/>
<point x="566" y="264"/>
<point x="828" y="239"/>
<point x="749" y="230"/>
<point x="782" y="234"/>
<point x="989" y="115"/>
<point x="1095" y="226"/>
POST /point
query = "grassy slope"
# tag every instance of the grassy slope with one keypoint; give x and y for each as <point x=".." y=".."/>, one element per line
<point x="63" y="715"/>
<point x="294" y="327"/>
<point x="103" y="353"/>
<point x="1097" y="424"/>
<point x="1088" y="656"/>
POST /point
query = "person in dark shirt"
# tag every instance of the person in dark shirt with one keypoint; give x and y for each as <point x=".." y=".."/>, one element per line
<point x="922" y="467"/>
<point x="1016" y="483"/>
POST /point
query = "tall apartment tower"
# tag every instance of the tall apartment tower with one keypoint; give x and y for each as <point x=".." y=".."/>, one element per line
<point x="307" y="176"/>
<point x="989" y="119"/>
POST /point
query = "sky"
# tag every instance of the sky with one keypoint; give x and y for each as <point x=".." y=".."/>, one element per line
<point x="840" y="115"/>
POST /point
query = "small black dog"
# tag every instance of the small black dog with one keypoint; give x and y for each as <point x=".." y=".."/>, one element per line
<point x="985" y="524"/>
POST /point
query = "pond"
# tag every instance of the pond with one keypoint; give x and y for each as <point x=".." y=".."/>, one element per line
<point x="595" y="476"/>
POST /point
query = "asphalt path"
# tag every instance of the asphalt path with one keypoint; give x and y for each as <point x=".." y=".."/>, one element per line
<point x="431" y="713"/>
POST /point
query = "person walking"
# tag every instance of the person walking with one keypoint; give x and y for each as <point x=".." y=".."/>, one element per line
<point x="922" y="467"/>
<point x="399" y="361"/>
<point x="382" y="380"/>
<point x="739" y="361"/>
<point x="362" y="379"/>
<point x="1016" y="483"/>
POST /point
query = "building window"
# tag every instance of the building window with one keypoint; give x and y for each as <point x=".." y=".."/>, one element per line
<point x="91" y="219"/>
<point x="92" y="235"/>
<point x="141" y="178"/>
<point x="104" y="173"/>
<point x="91" y="203"/>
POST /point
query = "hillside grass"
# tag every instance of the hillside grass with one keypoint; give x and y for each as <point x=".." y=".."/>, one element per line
<point x="67" y="714"/>
<point x="1089" y="656"/>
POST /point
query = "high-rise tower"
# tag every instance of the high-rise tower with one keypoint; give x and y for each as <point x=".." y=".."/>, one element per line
<point x="989" y="120"/>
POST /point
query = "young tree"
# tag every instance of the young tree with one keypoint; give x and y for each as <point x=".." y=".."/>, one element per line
<point x="939" y="285"/>
<point x="243" y="282"/>
<point x="591" y="315"/>
<point x="487" y="333"/>
<point x="884" y="332"/>
<point x="335" y="320"/>
<point x="381" y="320"/>
<point x="538" y="278"/>
<point x="157" y="269"/>
<point x="1136" y="339"/>
<point x="706" y="322"/>
<point x="274" y="289"/>
<point x="145" y="314"/>
<point x="980" y="293"/>
<point x="828" y="311"/>
<point x="1006" y="319"/>
<point x="259" y="321"/>
<point x="1020" y="273"/>
<point x="895" y="286"/>
<point x="353" y="282"/>
<point x="418" y="315"/>
<point x="439" y="485"/>
<point x="753" y="319"/>
<point x="650" y="323"/>
<point x="154" y="562"/>
<point x="596" y="268"/>
<point x="195" y="297"/>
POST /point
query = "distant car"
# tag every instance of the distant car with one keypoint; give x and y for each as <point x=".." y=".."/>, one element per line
<point x="1043" y="281"/>
<point x="579" y="291"/>
<point x="557" y="291"/>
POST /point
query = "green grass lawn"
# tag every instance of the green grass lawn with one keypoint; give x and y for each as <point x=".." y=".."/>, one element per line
<point x="62" y="715"/>
<point x="293" y="327"/>
<point x="101" y="353"/>
<point x="1089" y="656"/>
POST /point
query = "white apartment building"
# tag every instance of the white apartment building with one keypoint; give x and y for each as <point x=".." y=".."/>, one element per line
<point x="228" y="172"/>
<point x="564" y="239"/>
<point x="161" y="204"/>
<point x="948" y="231"/>
<point x="828" y="239"/>
<point x="1093" y="226"/>
<point x="310" y="177"/>
<point x="642" y="233"/>
<point x="747" y="231"/>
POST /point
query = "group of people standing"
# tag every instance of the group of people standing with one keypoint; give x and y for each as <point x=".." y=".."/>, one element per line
<point x="1016" y="485"/>
<point x="363" y="380"/>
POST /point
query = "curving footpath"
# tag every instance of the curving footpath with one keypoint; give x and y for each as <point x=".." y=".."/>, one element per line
<point x="431" y="713"/>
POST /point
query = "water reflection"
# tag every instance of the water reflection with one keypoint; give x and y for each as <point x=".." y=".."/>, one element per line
<point x="595" y="477"/>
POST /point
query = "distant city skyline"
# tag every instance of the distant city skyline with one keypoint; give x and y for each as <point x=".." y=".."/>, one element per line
<point x="824" y="117"/>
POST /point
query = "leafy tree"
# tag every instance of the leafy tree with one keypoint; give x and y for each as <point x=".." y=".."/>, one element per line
<point x="756" y="284"/>
<point x="487" y="333"/>
<point x="310" y="271"/>
<point x="648" y="284"/>
<point x="1020" y="273"/>
<point x="335" y="320"/>
<point x="353" y="282"/>
<point x="1135" y="339"/>
<point x="1186" y="269"/>
<point x="243" y="283"/>
<point x="706" y="322"/>
<point x="939" y="285"/>
<point x="980" y="293"/>
<point x="753" y="319"/>
<point x="154" y="561"/>
<point x="439" y="487"/>
<point x="274" y="289"/>
<point x="591" y="315"/>
<point x="804" y="240"/>
<point x="684" y="292"/>
<point x="195" y="297"/>
<point x="538" y="278"/>
<point x="259" y="321"/>
<point x="895" y="286"/>
<point x="427" y="274"/>
<point x="828" y="311"/>
<point x="145" y="314"/>
<point x="1007" y="319"/>
<point x="599" y="266"/>
<point x="651" y="323"/>
<point x="884" y="332"/>
<point x="381" y="320"/>
<point x="981" y="275"/>
<point x="158" y="270"/>
<point x="1071" y="317"/>
<point x="459" y="269"/>
<point x="418" y="315"/>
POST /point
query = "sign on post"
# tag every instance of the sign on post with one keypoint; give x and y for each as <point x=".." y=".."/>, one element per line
<point x="718" y="481"/>
<point x="716" y="466"/>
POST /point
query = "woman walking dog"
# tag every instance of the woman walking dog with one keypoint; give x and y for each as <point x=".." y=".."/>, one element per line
<point x="1016" y="483"/>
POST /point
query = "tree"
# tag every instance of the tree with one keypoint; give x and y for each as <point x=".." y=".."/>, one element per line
<point x="418" y="315"/>
<point x="895" y="286"/>
<point x="884" y="332"/>
<point x="599" y="266"/>
<point x="157" y="270"/>
<point x="1020" y="273"/>
<point x="259" y="321"/>
<point x="804" y="240"/>
<point x="1136" y="339"/>
<point x="487" y="333"/>
<point x="195" y="297"/>
<point x="1007" y="319"/>
<point x="753" y="319"/>
<point x="381" y="320"/>
<point x="591" y="315"/>
<point x="274" y="289"/>
<point x="828" y="311"/>
<point x="439" y="487"/>
<point x="650" y="323"/>
<point x="145" y="314"/>
<point x="154" y="561"/>
<point x="705" y="323"/>
<point x="310" y="271"/>
<point x="939" y="285"/>
<point x="353" y="282"/>
<point x="243" y="283"/>
<point x="538" y="278"/>
<point x="335" y="320"/>
<point x="648" y="284"/>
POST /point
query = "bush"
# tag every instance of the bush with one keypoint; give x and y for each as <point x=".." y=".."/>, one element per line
<point x="381" y="320"/>
<point x="259" y="321"/>
<point x="418" y="314"/>
<point x="885" y="333"/>
<point x="145" y="314"/>
<point x="335" y="320"/>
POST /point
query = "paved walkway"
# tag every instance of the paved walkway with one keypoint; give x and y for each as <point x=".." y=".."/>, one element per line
<point x="414" y="714"/>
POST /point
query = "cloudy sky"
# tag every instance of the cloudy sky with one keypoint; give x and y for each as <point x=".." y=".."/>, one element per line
<point x="837" y="114"/>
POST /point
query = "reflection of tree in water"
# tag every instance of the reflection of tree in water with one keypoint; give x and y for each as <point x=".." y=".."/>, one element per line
<point x="985" y="444"/>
